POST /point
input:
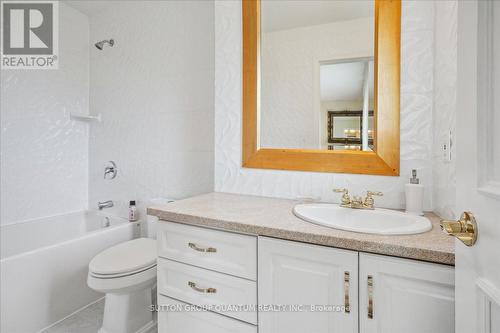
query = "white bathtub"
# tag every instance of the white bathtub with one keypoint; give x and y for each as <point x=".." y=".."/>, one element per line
<point x="44" y="263"/>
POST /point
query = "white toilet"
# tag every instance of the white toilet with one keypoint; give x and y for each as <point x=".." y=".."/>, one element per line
<point x="126" y="273"/>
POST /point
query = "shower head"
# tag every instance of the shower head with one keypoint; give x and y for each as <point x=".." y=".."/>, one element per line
<point x="100" y="45"/>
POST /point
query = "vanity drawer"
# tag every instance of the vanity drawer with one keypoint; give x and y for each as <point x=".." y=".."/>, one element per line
<point x="179" y="317"/>
<point x="220" y="251"/>
<point x="203" y="287"/>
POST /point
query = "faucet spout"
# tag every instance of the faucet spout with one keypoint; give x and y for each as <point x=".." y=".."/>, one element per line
<point x="105" y="204"/>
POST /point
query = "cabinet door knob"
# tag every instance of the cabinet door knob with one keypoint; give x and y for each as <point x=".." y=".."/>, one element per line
<point x="370" y="297"/>
<point x="201" y="249"/>
<point x="201" y="290"/>
<point x="346" y="292"/>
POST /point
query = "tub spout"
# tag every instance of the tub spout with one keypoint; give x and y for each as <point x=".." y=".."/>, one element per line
<point x="105" y="204"/>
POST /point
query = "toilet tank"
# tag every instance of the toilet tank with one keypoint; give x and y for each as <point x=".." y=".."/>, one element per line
<point x="151" y="226"/>
<point x="152" y="221"/>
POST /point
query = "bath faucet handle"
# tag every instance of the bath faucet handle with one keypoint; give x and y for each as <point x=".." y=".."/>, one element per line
<point x="110" y="170"/>
<point x="369" y="201"/>
<point x="346" y="199"/>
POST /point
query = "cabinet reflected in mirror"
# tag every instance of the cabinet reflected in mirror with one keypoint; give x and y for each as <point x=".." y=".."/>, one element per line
<point x="317" y="74"/>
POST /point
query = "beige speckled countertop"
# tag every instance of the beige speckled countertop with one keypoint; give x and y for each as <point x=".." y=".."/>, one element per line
<point x="274" y="218"/>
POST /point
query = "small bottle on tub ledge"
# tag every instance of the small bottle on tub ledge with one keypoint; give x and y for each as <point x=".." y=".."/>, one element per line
<point x="132" y="212"/>
<point x="414" y="192"/>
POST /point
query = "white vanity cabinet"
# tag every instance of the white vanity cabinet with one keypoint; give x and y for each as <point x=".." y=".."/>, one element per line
<point x="306" y="280"/>
<point x="401" y="295"/>
<point x="293" y="287"/>
<point x="210" y="269"/>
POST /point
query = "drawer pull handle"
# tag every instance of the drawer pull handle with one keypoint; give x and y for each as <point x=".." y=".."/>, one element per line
<point x="200" y="249"/>
<point x="346" y="292"/>
<point x="202" y="290"/>
<point x="370" y="297"/>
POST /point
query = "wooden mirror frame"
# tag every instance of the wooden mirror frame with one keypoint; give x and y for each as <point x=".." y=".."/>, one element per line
<point x="384" y="160"/>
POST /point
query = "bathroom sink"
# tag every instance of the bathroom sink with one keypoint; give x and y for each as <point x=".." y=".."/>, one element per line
<point x="377" y="221"/>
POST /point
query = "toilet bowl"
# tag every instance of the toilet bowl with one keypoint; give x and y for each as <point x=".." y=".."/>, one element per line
<point x="126" y="273"/>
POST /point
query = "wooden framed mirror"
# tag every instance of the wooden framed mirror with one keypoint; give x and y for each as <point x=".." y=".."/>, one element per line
<point x="286" y="102"/>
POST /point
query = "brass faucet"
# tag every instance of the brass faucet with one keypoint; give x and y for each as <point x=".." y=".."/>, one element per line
<point x="357" y="202"/>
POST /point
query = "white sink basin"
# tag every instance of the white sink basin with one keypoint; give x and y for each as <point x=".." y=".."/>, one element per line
<point x="378" y="221"/>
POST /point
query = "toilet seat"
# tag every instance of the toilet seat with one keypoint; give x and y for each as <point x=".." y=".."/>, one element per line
<point x="123" y="284"/>
<point x="113" y="276"/>
<point x="125" y="267"/>
<point x="124" y="259"/>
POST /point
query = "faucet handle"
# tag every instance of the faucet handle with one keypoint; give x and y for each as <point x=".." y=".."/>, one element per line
<point x="346" y="200"/>
<point x="369" y="203"/>
<point x="110" y="169"/>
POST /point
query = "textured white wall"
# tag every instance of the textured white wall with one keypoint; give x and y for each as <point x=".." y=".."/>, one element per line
<point x="416" y="118"/>
<point x="445" y="85"/>
<point x="44" y="154"/>
<point x="290" y="101"/>
<point x="155" y="91"/>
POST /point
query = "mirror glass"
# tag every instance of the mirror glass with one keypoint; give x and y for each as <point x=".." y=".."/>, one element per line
<point x="317" y="74"/>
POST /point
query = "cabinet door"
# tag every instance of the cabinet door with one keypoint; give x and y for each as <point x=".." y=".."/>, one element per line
<point x="304" y="288"/>
<point x="402" y="295"/>
<point x="179" y="317"/>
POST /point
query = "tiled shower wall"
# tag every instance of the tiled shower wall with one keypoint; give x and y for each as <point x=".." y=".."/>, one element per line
<point x="44" y="154"/>
<point x="416" y="118"/>
<point x="155" y="91"/>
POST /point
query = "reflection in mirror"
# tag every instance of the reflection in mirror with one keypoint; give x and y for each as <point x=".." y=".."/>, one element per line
<point x="346" y="94"/>
<point x="316" y="74"/>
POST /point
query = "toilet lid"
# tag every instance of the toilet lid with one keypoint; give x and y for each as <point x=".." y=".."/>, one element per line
<point x="125" y="257"/>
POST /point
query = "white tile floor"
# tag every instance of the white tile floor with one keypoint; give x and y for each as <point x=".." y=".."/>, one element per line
<point x="88" y="320"/>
